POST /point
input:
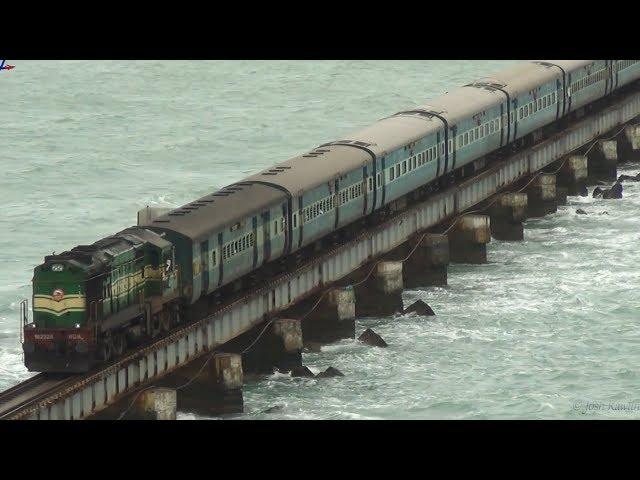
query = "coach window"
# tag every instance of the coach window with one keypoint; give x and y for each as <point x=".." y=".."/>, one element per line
<point x="404" y="167"/>
<point x="214" y="259"/>
<point x="397" y="169"/>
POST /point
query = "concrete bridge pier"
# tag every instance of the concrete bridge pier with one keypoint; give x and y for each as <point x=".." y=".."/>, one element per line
<point x="334" y="317"/>
<point x="280" y="346"/>
<point x="542" y="197"/>
<point x="289" y="332"/>
<point x="507" y="215"/>
<point x="573" y="174"/>
<point x="468" y="239"/>
<point x="154" y="404"/>
<point x="216" y="389"/>
<point x="629" y="144"/>
<point x="603" y="161"/>
<point x="381" y="294"/>
<point x="428" y="264"/>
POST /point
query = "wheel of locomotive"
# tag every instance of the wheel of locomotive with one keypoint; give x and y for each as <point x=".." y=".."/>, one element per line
<point x="119" y="344"/>
<point x="105" y="350"/>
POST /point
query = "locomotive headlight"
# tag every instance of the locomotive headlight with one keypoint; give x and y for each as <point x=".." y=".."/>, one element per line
<point x="77" y="325"/>
<point x="58" y="267"/>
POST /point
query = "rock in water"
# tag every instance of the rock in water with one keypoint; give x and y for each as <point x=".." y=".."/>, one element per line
<point x="313" y="346"/>
<point x="301" y="371"/>
<point x="274" y="409"/>
<point x="420" y="308"/>
<point x="580" y="212"/>
<point x="370" y="337"/>
<point x="330" y="372"/>
<point x="629" y="178"/>
<point x="597" y="192"/>
<point x="584" y="192"/>
<point x="613" y="192"/>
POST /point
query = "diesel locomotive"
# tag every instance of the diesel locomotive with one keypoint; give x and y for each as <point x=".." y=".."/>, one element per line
<point x="91" y="302"/>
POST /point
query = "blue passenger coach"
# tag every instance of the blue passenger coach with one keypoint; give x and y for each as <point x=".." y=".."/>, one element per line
<point x="228" y="234"/>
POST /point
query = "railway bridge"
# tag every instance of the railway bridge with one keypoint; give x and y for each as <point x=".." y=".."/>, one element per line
<point x="201" y="365"/>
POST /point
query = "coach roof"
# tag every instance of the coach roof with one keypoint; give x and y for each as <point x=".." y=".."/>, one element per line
<point x="321" y="165"/>
<point x="220" y="209"/>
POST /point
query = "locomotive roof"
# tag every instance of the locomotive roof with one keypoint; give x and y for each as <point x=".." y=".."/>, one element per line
<point x="219" y="209"/>
<point x="100" y="252"/>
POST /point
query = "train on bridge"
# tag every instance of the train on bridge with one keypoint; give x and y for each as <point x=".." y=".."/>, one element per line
<point x="93" y="301"/>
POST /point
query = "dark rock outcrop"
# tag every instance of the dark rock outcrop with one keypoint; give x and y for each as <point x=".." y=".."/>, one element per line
<point x="629" y="178"/>
<point x="274" y="409"/>
<point x="613" y="192"/>
<point x="369" y="337"/>
<point x="420" y="308"/>
<point x="597" y="192"/>
<point x="580" y="212"/>
<point x="313" y="346"/>
<point x="584" y="191"/>
<point x="301" y="371"/>
<point x="330" y="372"/>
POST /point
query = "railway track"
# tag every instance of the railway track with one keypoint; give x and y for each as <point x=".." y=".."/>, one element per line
<point x="29" y="391"/>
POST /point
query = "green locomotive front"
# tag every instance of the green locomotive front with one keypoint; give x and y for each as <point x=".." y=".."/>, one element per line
<point x="91" y="302"/>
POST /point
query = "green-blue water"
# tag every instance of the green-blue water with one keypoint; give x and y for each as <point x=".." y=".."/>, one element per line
<point x="548" y="326"/>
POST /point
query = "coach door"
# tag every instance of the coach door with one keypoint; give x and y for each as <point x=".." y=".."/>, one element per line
<point x="266" y="235"/>
<point x="204" y="260"/>
<point x="286" y="228"/>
